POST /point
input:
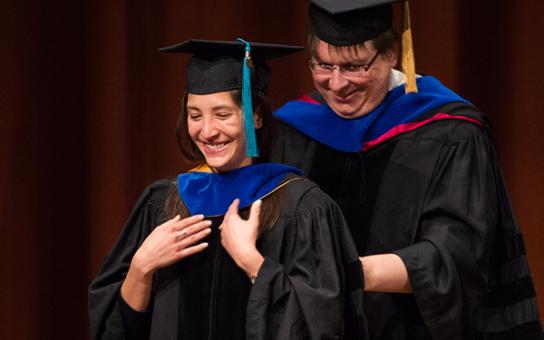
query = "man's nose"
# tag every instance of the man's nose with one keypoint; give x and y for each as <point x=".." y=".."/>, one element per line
<point x="337" y="81"/>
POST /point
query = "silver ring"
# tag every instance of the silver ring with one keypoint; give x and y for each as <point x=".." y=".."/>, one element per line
<point x="183" y="234"/>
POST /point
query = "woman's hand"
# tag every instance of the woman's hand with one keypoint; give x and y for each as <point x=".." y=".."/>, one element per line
<point x="168" y="243"/>
<point x="239" y="237"/>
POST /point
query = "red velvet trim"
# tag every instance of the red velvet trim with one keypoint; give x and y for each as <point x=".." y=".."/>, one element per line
<point x="403" y="128"/>
<point x="306" y="98"/>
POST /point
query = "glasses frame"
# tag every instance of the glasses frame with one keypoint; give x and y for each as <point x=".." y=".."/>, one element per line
<point x="328" y="68"/>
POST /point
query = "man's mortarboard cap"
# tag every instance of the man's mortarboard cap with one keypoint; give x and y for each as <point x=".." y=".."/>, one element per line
<point x="217" y="65"/>
<point x="350" y="22"/>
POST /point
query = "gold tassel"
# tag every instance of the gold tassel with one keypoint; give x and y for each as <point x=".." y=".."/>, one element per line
<point x="408" y="61"/>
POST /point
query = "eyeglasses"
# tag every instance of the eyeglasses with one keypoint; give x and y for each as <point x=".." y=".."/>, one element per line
<point x="349" y="70"/>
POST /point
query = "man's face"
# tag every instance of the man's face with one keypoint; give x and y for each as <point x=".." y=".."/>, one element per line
<point x="352" y="94"/>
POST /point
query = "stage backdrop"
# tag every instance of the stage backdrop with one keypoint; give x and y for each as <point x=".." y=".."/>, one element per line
<point x="88" y="107"/>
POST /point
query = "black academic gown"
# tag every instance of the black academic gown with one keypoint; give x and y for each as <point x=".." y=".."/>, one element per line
<point x="435" y="197"/>
<point x="308" y="287"/>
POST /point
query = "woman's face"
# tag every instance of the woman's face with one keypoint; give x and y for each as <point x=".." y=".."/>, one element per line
<point x="214" y="122"/>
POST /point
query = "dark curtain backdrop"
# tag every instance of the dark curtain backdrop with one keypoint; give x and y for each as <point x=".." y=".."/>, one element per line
<point x="88" y="107"/>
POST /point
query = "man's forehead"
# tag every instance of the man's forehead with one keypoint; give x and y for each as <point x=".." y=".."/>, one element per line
<point x="344" y="54"/>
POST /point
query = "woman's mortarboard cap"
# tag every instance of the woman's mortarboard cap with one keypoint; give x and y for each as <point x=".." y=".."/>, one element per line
<point x="217" y="65"/>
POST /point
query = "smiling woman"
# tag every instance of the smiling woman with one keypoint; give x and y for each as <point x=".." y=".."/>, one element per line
<point x="237" y="248"/>
<point x="215" y="126"/>
<point x="228" y="102"/>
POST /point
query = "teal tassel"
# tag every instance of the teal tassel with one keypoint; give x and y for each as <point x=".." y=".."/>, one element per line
<point x="247" y="105"/>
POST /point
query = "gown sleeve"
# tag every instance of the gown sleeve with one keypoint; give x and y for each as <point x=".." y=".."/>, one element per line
<point x="293" y="148"/>
<point x="310" y="281"/>
<point x="110" y="317"/>
<point x="454" y="262"/>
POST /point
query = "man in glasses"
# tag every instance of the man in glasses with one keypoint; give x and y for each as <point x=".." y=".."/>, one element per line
<point x="414" y="169"/>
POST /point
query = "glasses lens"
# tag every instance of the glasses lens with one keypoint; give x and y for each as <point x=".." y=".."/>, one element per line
<point x="353" y="71"/>
<point x="319" y="68"/>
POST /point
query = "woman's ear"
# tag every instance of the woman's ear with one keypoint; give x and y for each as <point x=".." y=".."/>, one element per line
<point x="257" y="121"/>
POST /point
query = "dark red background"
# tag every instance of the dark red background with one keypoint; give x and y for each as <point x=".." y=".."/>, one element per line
<point x="87" y="109"/>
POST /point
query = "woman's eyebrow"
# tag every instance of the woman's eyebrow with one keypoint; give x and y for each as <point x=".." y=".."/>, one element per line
<point x="214" y="108"/>
<point x="222" y="107"/>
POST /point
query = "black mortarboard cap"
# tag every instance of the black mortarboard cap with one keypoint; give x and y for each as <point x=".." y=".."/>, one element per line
<point x="217" y="65"/>
<point x="350" y="22"/>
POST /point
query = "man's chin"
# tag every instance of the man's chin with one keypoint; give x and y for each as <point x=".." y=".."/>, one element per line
<point x="344" y="111"/>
